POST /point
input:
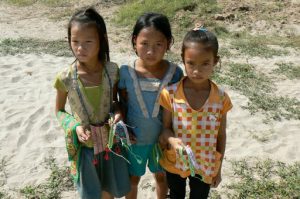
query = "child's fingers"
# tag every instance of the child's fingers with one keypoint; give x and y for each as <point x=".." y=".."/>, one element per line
<point x="82" y="134"/>
<point x="116" y="118"/>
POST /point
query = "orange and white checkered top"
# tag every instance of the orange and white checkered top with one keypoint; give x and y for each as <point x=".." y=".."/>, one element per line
<point x="197" y="128"/>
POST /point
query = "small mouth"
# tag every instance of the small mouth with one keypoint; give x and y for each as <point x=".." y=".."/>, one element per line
<point x="198" y="77"/>
<point x="81" y="56"/>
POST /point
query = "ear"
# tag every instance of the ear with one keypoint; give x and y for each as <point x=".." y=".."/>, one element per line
<point x="170" y="42"/>
<point x="134" y="40"/>
<point x="217" y="59"/>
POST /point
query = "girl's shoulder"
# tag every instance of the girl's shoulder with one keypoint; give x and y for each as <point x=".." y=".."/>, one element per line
<point x="219" y="91"/>
<point x="124" y="67"/>
<point x="177" y="72"/>
<point x="66" y="73"/>
<point x="173" y="87"/>
<point x="111" y="66"/>
<point x="113" y="71"/>
<point x="222" y="96"/>
<point x="124" y="71"/>
<point x="178" y="69"/>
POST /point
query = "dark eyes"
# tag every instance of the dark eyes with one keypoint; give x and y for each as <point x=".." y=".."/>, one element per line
<point x="190" y="63"/>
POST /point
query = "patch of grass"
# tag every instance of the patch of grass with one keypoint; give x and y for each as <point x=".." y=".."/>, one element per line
<point x="128" y="14"/>
<point x="224" y="52"/>
<point x="264" y="179"/>
<point x="220" y="31"/>
<point x="4" y="195"/>
<point x="259" y="89"/>
<point x="293" y="41"/>
<point x="58" y="181"/>
<point x="255" y="46"/>
<point x="62" y="14"/>
<point x="3" y="172"/>
<point x="214" y="194"/>
<point x="27" y="46"/>
<point x="262" y="136"/>
<point x="51" y="3"/>
<point x="290" y="70"/>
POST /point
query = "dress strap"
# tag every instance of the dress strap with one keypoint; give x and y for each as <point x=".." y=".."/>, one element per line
<point x="138" y="90"/>
<point x="165" y="81"/>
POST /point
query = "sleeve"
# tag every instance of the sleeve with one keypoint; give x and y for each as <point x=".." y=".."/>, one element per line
<point x="59" y="84"/>
<point x="165" y="101"/>
<point x="227" y="105"/>
<point x="179" y="72"/>
<point x="122" y="83"/>
<point x="177" y="75"/>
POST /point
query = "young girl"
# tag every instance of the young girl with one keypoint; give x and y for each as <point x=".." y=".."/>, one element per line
<point x="140" y="84"/>
<point x="194" y="120"/>
<point x="89" y="84"/>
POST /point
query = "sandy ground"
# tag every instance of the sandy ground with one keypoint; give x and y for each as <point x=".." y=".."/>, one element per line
<point x="30" y="132"/>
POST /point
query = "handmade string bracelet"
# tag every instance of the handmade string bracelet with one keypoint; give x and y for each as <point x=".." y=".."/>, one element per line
<point x="191" y="163"/>
<point x="120" y="133"/>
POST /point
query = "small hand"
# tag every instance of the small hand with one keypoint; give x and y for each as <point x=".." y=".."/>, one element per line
<point x="163" y="142"/>
<point x="176" y="143"/>
<point x="216" y="180"/>
<point x="83" y="134"/>
<point x="117" y="117"/>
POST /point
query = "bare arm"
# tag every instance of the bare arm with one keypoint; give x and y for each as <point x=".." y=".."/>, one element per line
<point x="167" y="136"/>
<point x="61" y="98"/>
<point x="123" y="101"/>
<point x="221" y="140"/>
<point x="116" y="105"/>
<point x="221" y="144"/>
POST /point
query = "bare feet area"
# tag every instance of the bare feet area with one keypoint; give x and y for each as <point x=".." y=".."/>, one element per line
<point x="259" y="47"/>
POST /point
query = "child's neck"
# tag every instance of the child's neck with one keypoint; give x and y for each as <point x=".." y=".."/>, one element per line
<point x="91" y="67"/>
<point x="151" y="71"/>
<point x="151" y="68"/>
<point x="204" y="85"/>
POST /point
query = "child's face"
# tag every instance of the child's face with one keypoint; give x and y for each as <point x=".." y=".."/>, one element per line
<point x="85" y="42"/>
<point x="199" y="62"/>
<point x="151" y="45"/>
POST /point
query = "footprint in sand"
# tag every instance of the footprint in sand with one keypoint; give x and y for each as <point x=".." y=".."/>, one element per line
<point x="36" y="114"/>
<point x="22" y="139"/>
<point x="6" y="66"/>
<point x="45" y="126"/>
<point x="5" y="73"/>
<point x="13" y="125"/>
<point x="15" y="79"/>
<point x="29" y="123"/>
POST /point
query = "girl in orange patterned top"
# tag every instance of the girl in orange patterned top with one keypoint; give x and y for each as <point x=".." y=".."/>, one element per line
<point x="194" y="120"/>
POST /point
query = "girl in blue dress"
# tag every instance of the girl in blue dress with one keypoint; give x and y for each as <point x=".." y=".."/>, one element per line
<point x="140" y="85"/>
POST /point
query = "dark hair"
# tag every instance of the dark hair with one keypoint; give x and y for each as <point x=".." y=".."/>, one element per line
<point x="159" y="21"/>
<point x="89" y="16"/>
<point x="203" y="36"/>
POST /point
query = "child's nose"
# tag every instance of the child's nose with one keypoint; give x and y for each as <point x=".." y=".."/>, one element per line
<point x="150" y="50"/>
<point x="81" y="47"/>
